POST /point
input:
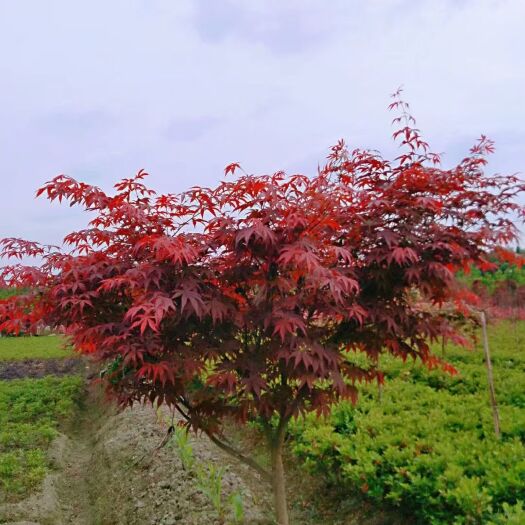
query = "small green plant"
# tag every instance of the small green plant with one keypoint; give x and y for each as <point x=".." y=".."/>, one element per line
<point x="209" y="480"/>
<point x="512" y="515"/>
<point x="429" y="449"/>
<point x="237" y="507"/>
<point x="184" y="448"/>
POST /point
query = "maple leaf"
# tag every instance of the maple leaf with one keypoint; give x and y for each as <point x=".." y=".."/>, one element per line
<point x="403" y="256"/>
<point x="190" y="299"/>
<point x="218" y="310"/>
<point x="254" y="384"/>
<point x="223" y="380"/>
<point x="288" y="324"/>
<point x="230" y="168"/>
<point x="299" y="255"/>
<point x="258" y="231"/>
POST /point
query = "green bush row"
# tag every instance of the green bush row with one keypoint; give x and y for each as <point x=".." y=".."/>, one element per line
<point x="491" y="279"/>
<point x="30" y="412"/>
<point x="428" y="447"/>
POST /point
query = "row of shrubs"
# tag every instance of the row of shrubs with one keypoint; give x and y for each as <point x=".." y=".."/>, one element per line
<point x="30" y="413"/>
<point x="428" y="447"/>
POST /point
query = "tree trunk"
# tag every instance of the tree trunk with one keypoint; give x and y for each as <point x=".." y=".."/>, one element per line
<point x="276" y="444"/>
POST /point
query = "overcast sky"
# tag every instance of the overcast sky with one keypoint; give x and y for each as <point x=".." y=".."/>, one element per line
<point x="99" y="89"/>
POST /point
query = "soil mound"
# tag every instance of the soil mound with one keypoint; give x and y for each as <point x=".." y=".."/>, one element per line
<point x="37" y="368"/>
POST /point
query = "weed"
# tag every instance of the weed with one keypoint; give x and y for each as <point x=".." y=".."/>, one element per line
<point x="209" y="480"/>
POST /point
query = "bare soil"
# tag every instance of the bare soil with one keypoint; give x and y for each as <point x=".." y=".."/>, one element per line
<point x="108" y="472"/>
<point x="37" y="368"/>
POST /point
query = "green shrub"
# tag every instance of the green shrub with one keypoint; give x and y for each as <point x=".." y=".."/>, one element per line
<point x="428" y="448"/>
<point x="30" y="412"/>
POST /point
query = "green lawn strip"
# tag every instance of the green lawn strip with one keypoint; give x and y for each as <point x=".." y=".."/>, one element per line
<point x="5" y="293"/>
<point x="428" y="448"/>
<point x="32" y="347"/>
<point x="31" y="411"/>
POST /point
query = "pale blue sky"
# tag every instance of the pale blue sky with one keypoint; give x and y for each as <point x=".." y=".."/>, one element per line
<point x="100" y="89"/>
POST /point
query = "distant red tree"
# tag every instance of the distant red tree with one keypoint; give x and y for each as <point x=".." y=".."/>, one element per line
<point x="248" y="300"/>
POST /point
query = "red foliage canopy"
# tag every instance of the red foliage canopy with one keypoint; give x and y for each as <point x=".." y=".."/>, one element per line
<point x="250" y="298"/>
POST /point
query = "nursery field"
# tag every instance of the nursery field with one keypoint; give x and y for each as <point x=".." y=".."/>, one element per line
<point x="31" y="412"/>
<point x="426" y="446"/>
<point x="423" y="448"/>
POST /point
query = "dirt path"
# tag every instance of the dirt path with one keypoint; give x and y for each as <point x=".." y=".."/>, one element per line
<point x="106" y="471"/>
<point x="157" y="489"/>
<point x="106" y="474"/>
<point x="73" y="485"/>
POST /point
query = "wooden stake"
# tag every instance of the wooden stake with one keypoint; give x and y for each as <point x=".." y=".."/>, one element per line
<point x="488" y="362"/>
<point x="379" y="385"/>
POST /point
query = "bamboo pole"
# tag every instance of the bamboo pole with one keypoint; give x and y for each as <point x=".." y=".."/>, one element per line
<point x="379" y="385"/>
<point x="490" y="377"/>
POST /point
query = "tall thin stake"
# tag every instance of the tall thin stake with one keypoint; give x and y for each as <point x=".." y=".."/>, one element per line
<point x="379" y="386"/>
<point x="488" y="362"/>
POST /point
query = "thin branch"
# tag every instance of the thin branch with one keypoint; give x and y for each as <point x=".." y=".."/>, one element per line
<point x="240" y="456"/>
<point x="266" y="476"/>
<point x="153" y="452"/>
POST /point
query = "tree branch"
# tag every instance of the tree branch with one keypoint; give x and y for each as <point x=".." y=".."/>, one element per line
<point x="232" y="451"/>
<point x="240" y="456"/>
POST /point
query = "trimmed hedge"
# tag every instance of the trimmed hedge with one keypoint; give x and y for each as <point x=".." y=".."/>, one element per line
<point x="428" y="448"/>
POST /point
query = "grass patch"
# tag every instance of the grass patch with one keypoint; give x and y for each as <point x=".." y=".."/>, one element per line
<point x="30" y="413"/>
<point x="32" y="347"/>
<point x="5" y="293"/>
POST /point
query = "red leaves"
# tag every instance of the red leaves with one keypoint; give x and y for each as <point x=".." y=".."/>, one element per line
<point x="254" y="384"/>
<point x="244" y="299"/>
<point x="230" y="168"/>
<point x="190" y="299"/>
<point x="341" y="286"/>
<point x="177" y="250"/>
<point x="508" y="256"/>
<point x="484" y="146"/>
<point x="403" y="256"/>
<point x="161" y="372"/>
<point x="224" y="381"/>
<point x="299" y="255"/>
<point x="258" y="232"/>
<point x="286" y="324"/>
<point x="19" y="248"/>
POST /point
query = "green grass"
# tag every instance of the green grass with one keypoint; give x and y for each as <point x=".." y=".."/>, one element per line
<point x="9" y="292"/>
<point x="28" y="347"/>
<point x="428" y="448"/>
<point x="30" y="413"/>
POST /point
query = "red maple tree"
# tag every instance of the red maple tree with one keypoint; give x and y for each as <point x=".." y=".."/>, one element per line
<point x="247" y="301"/>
